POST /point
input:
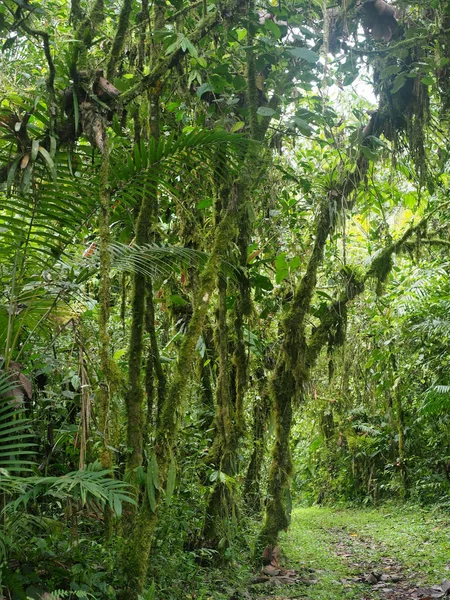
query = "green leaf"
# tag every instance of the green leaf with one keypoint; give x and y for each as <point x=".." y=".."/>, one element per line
<point x="304" y="127"/>
<point x="34" y="150"/>
<point x="205" y="87"/>
<point x="281" y="268"/>
<point x="237" y="126"/>
<point x="48" y="159"/>
<point x="388" y="71"/>
<point x="304" y="54"/>
<point x="399" y="82"/>
<point x="177" y="300"/>
<point x="271" y="26"/>
<point x="369" y="154"/>
<point x="294" y="263"/>
<point x="117" y="506"/>
<point x="265" y="111"/>
<point x="262" y="282"/>
<point x="189" y="46"/>
<point x="206" y="203"/>
<point x="175" y="46"/>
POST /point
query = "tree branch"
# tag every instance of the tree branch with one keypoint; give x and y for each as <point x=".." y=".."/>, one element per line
<point x="119" y="39"/>
<point x="166" y="63"/>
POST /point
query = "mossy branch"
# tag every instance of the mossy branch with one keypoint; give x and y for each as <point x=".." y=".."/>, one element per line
<point x="119" y="38"/>
<point x="50" y="81"/>
<point x="165" y="63"/>
<point x="86" y="31"/>
<point x="334" y="317"/>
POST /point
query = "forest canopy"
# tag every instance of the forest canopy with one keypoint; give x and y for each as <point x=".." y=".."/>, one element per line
<point x="224" y="259"/>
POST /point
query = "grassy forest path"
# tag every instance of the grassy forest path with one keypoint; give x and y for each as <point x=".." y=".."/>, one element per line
<point x="393" y="553"/>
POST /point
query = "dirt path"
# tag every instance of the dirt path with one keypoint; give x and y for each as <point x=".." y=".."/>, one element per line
<point x="387" y="577"/>
<point x="359" y="555"/>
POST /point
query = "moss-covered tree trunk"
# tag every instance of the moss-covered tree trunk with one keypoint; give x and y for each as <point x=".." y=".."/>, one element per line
<point x="138" y="546"/>
<point x="261" y="413"/>
<point x="106" y="384"/>
<point x="142" y="290"/>
<point x="221" y="504"/>
<point x="296" y="357"/>
<point x="221" y="510"/>
<point x="287" y="385"/>
<point x="135" y="393"/>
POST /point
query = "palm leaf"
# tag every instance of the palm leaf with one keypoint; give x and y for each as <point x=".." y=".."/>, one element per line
<point x="92" y="484"/>
<point x="170" y="162"/>
<point x="16" y="442"/>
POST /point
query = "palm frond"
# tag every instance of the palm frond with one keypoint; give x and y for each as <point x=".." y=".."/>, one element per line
<point x="170" y="161"/>
<point x="16" y="442"/>
<point x="92" y="484"/>
<point x="153" y="260"/>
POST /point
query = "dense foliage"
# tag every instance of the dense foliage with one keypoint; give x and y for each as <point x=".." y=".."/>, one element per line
<point x="224" y="274"/>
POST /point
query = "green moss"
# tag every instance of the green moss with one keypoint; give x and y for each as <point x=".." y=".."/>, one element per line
<point x="135" y="555"/>
<point x="153" y="363"/>
<point x="86" y="31"/>
<point x="261" y="414"/>
<point x="135" y="393"/>
<point x="119" y="38"/>
<point x="107" y="384"/>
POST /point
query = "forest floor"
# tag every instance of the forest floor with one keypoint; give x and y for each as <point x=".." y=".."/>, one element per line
<point x="393" y="553"/>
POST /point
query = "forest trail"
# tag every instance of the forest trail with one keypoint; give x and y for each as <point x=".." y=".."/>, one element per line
<point x="387" y="554"/>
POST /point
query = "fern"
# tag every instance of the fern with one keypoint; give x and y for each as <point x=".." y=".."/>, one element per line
<point x="436" y="399"/>
<point x="60" y="594"/>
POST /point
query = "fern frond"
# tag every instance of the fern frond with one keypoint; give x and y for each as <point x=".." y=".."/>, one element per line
<point x="436" y="399"/>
